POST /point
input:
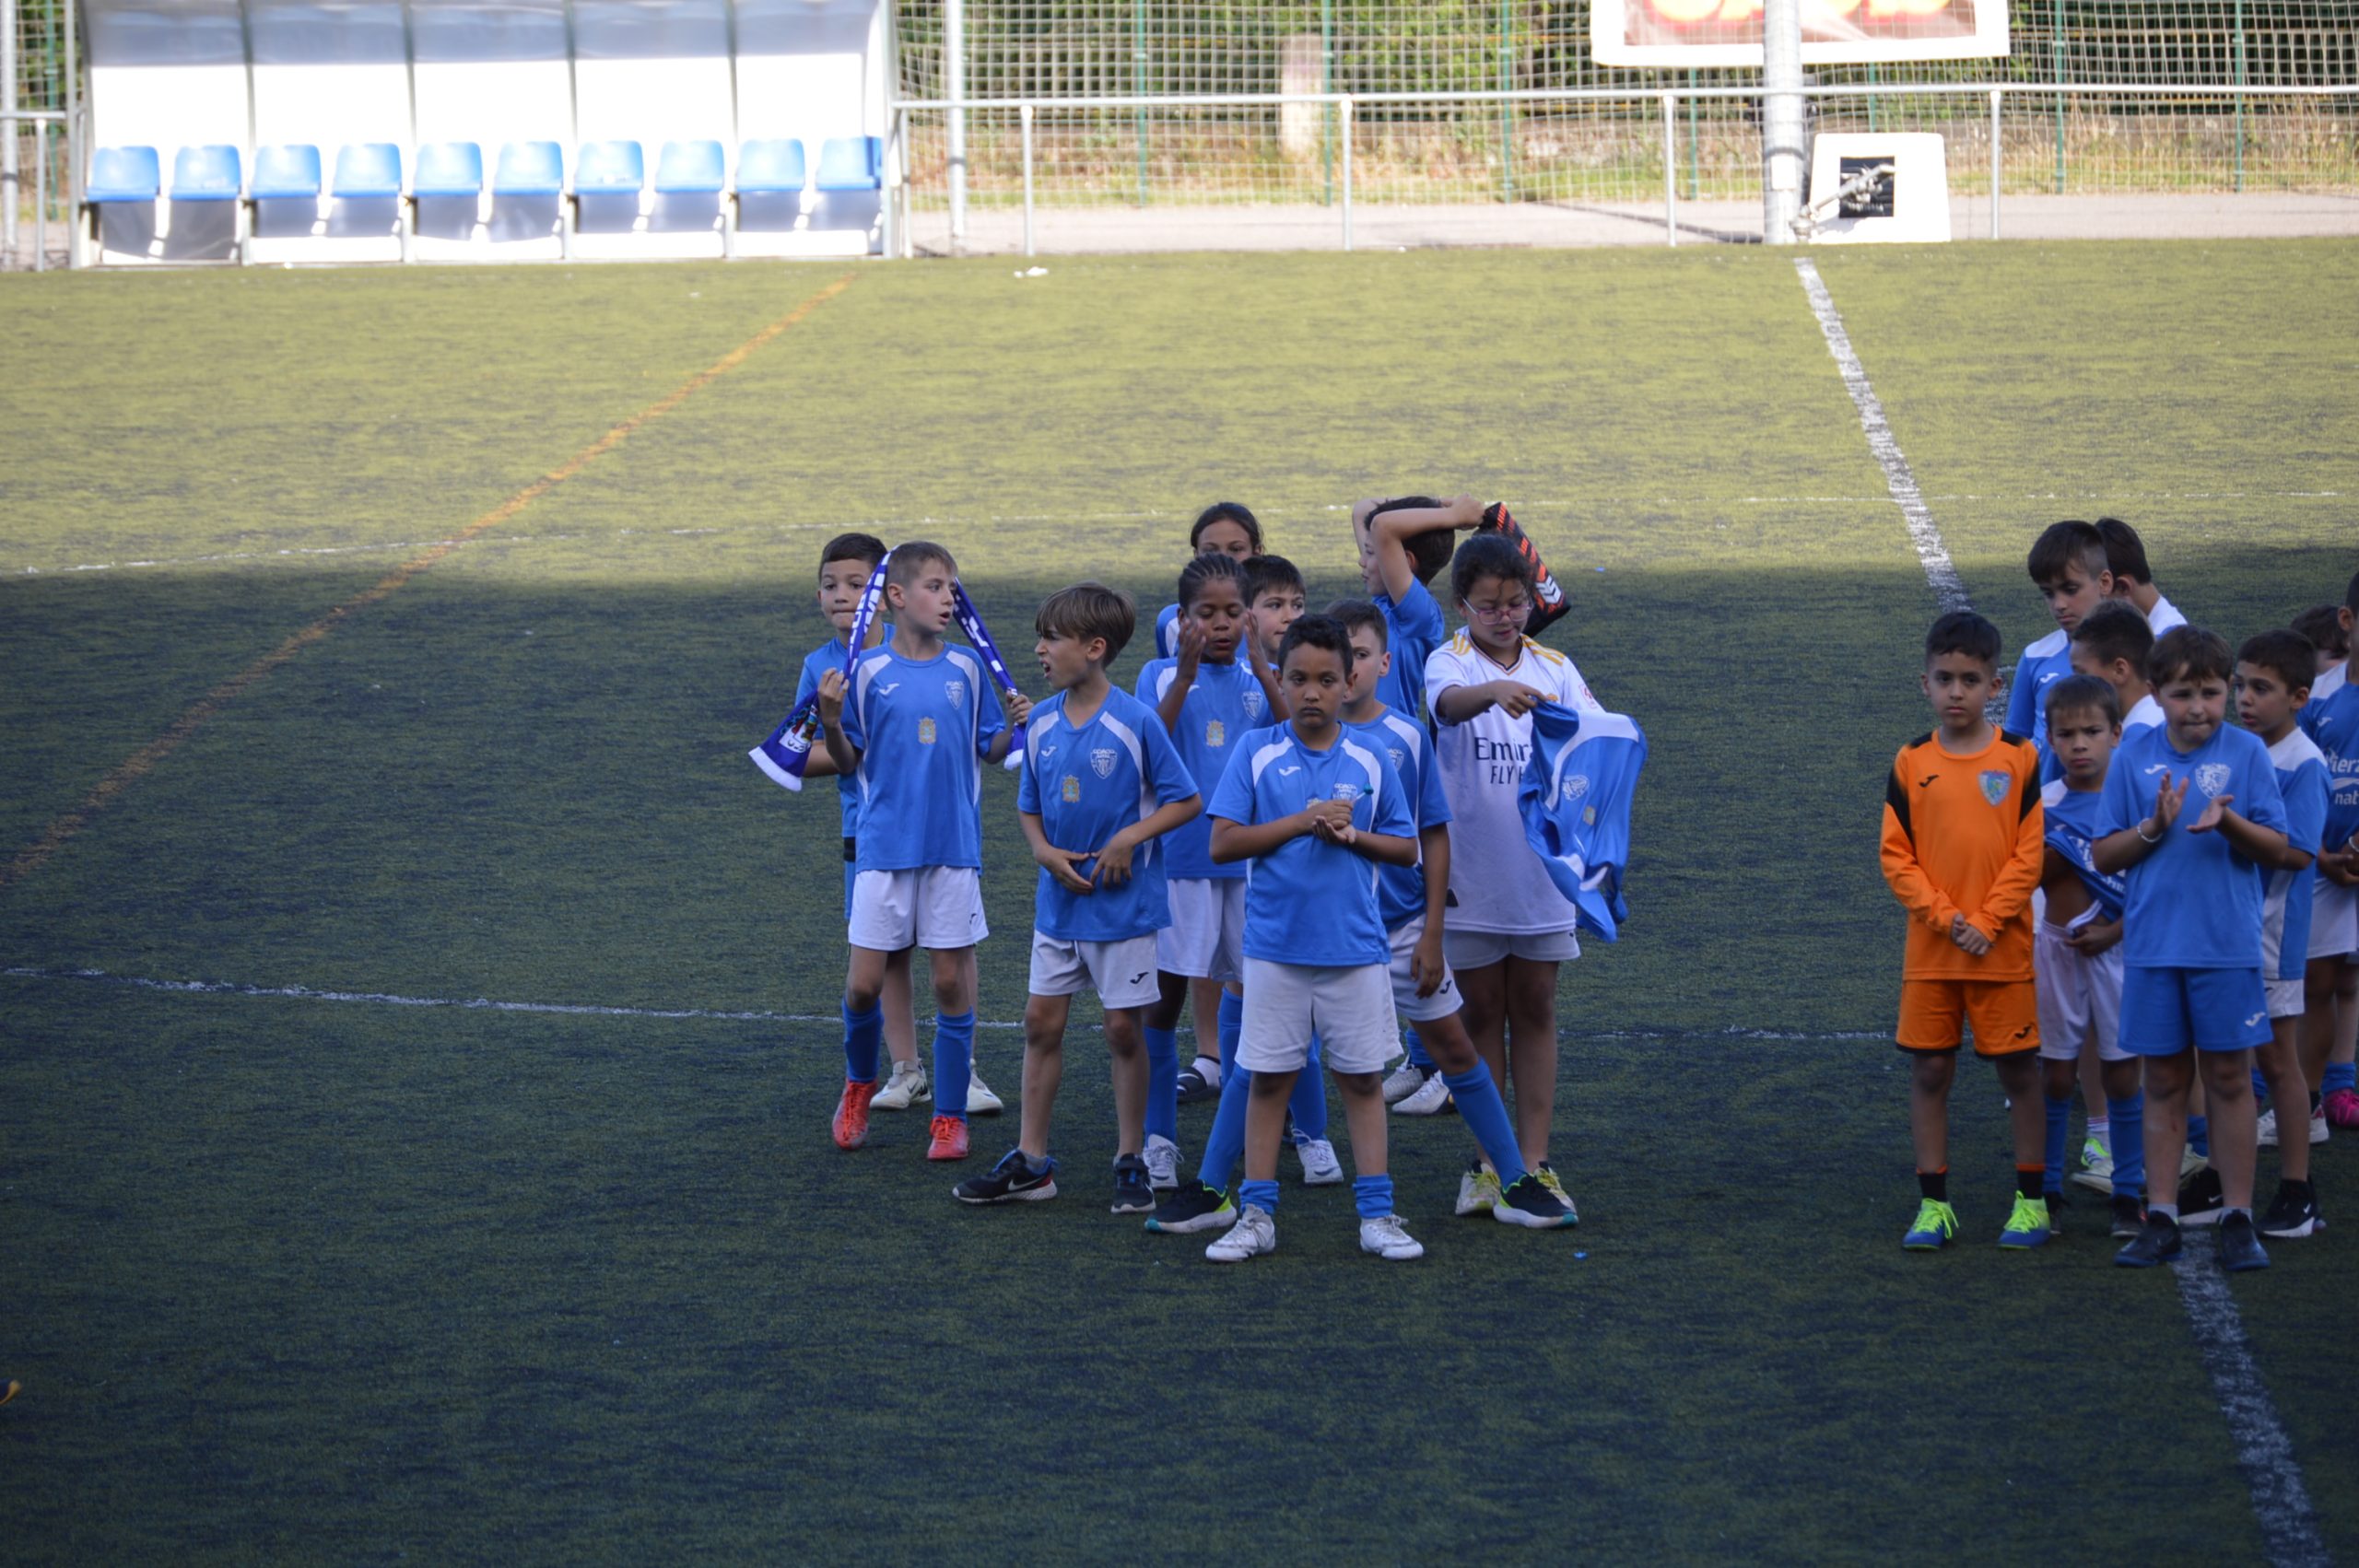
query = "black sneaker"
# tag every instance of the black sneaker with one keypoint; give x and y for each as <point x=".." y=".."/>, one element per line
<point x="1015" y="1179"/>
<point x="1528" y="1203"/>
<point x="2294" y="1214"/>
<point x="1194" y="1207"/>
<point x="2055" y="1200"/>
<point x="1132" y="1194"/>
<point x="2239" y="1248"/>
<point x="1193" y="1090"/>
<point x="2129" y="1217"/>
<point x="2201" y="1201"/>
<point x="2156" y="1242"/>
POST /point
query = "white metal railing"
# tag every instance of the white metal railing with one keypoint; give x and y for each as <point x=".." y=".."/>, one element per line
<point x="1667" y="99"/>
<point x="10" y="188"/>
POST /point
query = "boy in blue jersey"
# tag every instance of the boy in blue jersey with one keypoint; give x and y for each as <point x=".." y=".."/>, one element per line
<point x="914" y="724"/>
<point x="2190" y="812"/>
<point x="845" y="565"/>
<point x="2067" y="566"/>
<point x="2273" y="676"/>
<point x="2330" y="1016"/>
<point x="2076" y="952"/>
<point x="1207" y="697"/>
<point x="1101" y="783"/>
<point x="1317" y="811"/>
<point x="2113" y="643"/>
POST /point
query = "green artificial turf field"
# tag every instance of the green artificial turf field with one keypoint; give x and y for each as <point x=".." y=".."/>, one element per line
<point x="359" y="1280"/>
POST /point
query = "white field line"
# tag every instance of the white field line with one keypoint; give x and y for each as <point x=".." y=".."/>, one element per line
<point x="2289" y="1525"/>
<point x="725" y="1015"/>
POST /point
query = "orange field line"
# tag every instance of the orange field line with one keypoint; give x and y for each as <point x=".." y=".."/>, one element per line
<point x="140" y="763"/>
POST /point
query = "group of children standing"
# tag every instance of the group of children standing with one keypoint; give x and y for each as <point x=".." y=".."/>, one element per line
<point x="2160" y="907"/>
<point x="1390" y="876"/>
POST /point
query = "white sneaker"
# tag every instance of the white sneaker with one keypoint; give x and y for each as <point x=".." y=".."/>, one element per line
<point x="1320" y="1166"/>
<point x="1254" y="1234"/>
<point x="1406" y="1080"/>
<point x="981" y="1101"/>
<point x="1385" y="1237"/>
<point x="1162" y="1163"/>
<point x="1431" y="1098"/>
<point x="2264" y="1131"/>
<point x="2317" y="1125"/>
<point x="2093" y="1149"/>
<point x="905" y="1088"/>
<point x="1478" y="1190"/>
<point x="2098" y="1176"/>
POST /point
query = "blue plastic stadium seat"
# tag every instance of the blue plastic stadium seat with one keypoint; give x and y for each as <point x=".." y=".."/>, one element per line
<point x="370" y="171"/>
<point x="689" y="168"/>
<point x="851" y="163"/>
<point x="770" y="167"/>
<point x="530" y="169"/>
<point x="449" y="169"/>
<point x="608" y="169"/>
<point x="124" y="174"/>
<point x="207" y="174"/>
<point x="286" y="174"/>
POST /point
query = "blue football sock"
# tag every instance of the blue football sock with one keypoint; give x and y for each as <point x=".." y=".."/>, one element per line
<point x="2059" y="1128"/>
<point x="1262" y="1195"/>
<point x="1163" y="1083"/>
<point x="1487" y="1118"/>
<point x="2340" y="1075"/>
<point x="863" y="1039"/>
<point x="1310" y="1099"/>
<point x="1225" y="1144"/>
<point x="1372" y="1196"/>
<point x="2199" y="1135"/>
<point x="953" y="1061"/>
<point x="1232" y="1024"/>
<point x="1418" y="1056"/>
<point x="2128" y="1118"/>
<point x="2260" y="1087"/>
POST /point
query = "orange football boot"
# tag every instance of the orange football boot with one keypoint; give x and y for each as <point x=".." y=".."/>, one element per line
<point x="949" y="1142"/>
<point x="851" y="1113"/>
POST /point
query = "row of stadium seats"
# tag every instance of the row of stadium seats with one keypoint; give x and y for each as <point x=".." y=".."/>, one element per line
<point x="771" y="166"/>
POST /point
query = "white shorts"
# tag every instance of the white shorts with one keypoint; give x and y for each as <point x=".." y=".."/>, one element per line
<point x="1406" y="1003"/>
<point x="1480" y="950"/>
<point x="1205" y="940"/>
<point x="2334" y="919"/>
<point x="2079" y="998"/>
<point x="934" y="907"/>
<point x="2284" y="999"/>
<point x="1122" y="973"/>
<point x="1349" y="1009"/>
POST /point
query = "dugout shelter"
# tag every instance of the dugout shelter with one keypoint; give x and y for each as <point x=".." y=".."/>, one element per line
<point x="295" y="131"/>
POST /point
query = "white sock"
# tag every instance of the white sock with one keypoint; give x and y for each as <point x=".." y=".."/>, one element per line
<point x="1208" y="1068"/>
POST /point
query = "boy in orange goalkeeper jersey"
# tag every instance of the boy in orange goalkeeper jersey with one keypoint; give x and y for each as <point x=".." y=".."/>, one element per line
<point x="1962" y="849"/>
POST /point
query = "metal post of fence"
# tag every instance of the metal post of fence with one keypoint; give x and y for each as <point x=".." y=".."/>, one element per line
<point x="41" y="193"/>
<point x="1694" y="187"/>
<point x="1670" y="166"/>
<point x="12" y="188"/>
<point x="73" y="137"/>
<point x="2056" y="69"/>
<point x="1027" y="114"/>
<point x="1344" y="108"/>
<point x="1138" y="84"/>
<point x="1327" y="110"/>
<point x="1781" y="120"/>
<point x="954" y="75"/>
<point x="1995" y="96"/>
<point x="1507" y="109"/>
<point x="2240" y="96"/>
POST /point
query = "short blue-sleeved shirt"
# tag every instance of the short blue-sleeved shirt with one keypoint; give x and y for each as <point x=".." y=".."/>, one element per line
<point x="1225" y="703"/>
<point x="1167" y="632"/>
<point x="2194" y="902"/>
<point x="1401" y="890"/>
<point x="1310" y="902"/>
<point x="922" y="727"/>
<point x="2333" y="723"/>
<point x="1412" y="629"/>
<point x="2286" y="896"/>
<point x="832" y="655"/>
<point x="1086" y="782"/>
<point x="2043" y="664"/>
<point x="2070" y="818"/>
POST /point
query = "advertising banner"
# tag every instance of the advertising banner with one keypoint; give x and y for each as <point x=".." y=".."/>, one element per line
<point x="1834" y="33"/>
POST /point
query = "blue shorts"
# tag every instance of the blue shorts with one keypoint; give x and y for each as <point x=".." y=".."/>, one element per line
<point x="2166" y="1011"/>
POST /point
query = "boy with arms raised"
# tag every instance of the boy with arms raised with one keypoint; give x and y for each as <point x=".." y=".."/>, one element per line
<point x="2190" y="811"/>
<point x="1312" y="807"/>
<point x="2330" y="1033"/>
<point x="1101" y="783"/>
<point x="2273" y="675"/>
<point x="1962" y="848"/>
<point x="2076" y="955"/>
<point x="913" y="724"/>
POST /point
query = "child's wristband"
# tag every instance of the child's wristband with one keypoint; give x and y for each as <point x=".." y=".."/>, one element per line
<point x="2140" y="826"/>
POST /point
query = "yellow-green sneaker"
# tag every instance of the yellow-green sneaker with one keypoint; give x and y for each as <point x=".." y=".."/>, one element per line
<point x="1936" y="1223"/>
<point x="1549" y="1179"/>
<point x="2027" y="1226"/>
<point x="1478" y="1189"/>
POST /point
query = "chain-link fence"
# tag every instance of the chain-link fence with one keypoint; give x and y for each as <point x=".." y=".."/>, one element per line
<point x="2192" y="133"/>
<point x="32" y="153"/>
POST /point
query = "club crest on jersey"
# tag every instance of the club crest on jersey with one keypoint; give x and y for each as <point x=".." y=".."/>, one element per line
<point x="1072" y="789"/>
<point x="1216" y="732"/>
<point x="2211" y="777"/>
<point x="1994" y="784"/>
<point x="1573" y="789"/>
<point x="925" y="732"/>
<point x="1253" y="703"/>
<point x="1345" y="790"/>
<point x="955" y="690"/>
<point x="1101" y="763"/>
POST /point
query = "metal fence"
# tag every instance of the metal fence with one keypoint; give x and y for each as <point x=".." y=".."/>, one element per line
<point x="36" y="63"/>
